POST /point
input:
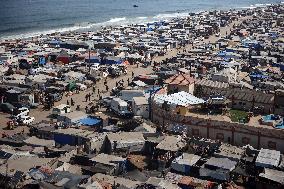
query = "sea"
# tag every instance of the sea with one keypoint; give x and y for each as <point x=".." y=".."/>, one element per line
<point x="28" y="18"/>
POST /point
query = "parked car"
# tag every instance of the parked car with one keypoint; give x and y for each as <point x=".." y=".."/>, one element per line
<point x="56" y="96"/>
<point x="107" y="100"/>
<point x="61" y="109"/>
<point x="20" y="112"/>
<point x="27" y="120"/>
<point x="7" y="108"/>
<point x="95" y="66"/>
<point x="19" y="105"/>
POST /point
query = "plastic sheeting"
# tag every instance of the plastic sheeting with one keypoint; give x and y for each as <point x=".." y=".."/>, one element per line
<point x="181" y="98"/>
<point x="90" y="121"/>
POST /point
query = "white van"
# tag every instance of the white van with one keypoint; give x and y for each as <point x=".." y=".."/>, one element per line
<point x="120" y="107"/>
<point x="21" y="112"/>
<point x="61" y="109"/>
<point x="95" y="66"/>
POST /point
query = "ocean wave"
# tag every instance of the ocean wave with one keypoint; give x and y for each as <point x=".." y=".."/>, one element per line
<point x="113" y="20"/>
<point x="257" y="5"/>
<point x="142" y="18"/>
<point x="83" y="26"/>
<point x="171" y="15"/>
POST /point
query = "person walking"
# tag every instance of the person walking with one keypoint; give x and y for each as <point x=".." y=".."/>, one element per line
<point x="72" y="102"/>
<point x="89" y="96"/>
<point x="67" y="102"/>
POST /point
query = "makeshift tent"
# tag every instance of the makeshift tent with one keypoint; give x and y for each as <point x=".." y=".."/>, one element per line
<point x="90" y="121"/>
<point x="71" y="86"/>
<point x="112" y="60"/>
<point x="181" y="99"/>
<point x="93" y="59"/>
<point x="64" y="58"/>
<point x="42" y="61"/>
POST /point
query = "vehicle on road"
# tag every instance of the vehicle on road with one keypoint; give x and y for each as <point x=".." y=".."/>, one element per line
<point x="7" y="108"/>
<point x="26" y="120"/>
<point x="21" y="112"/>
<point x="61" y="109"/>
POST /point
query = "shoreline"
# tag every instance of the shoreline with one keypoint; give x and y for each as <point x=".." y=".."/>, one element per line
<point x="119" y="21"/>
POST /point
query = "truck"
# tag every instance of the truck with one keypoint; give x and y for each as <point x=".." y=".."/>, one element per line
<point x="120" y="107"/>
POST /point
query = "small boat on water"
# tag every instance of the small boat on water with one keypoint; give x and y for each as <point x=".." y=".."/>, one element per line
<point x="135" y="6"/>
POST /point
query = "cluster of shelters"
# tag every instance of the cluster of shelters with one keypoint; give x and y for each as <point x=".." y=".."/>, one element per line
<point x="216" y="106"/>
<point x="78" y="158"/>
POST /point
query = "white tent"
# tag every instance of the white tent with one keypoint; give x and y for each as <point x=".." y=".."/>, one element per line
<point x="181" y="98"/>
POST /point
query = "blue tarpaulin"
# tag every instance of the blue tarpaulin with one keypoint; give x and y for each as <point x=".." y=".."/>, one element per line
<point x="258" y="76"/>
<point x="93" y="59"/>
<point x="112" y="60"/>
<point x="63" y="139"/>
<point x="42" y="60"/>
<point x="90" y="121"/>
<point x="281" y="66"/>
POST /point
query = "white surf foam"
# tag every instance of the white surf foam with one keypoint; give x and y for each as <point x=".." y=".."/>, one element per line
<point x="113" y="20"/>
<point x="172" y="15"/>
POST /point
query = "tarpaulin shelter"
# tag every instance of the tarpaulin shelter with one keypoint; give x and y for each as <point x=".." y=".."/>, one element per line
<point x="54" y="43"/>
<point x="112" y="60"/>
<point x="64" y="57"/>
<point x="71" y="86"/>
<point x="91" y="121"/>
<point x="42" y="60"/>
<point x="93" y="59"/>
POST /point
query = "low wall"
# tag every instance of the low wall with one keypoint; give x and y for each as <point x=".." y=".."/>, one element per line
<point x="230" y="132"/>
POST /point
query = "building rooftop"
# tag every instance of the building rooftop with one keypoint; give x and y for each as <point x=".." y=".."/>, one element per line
<point x="187" y="159"/>
<point x="268" y="158"/>
<point x="273" y="175"/>
<point x="180" y="79"/>
<point x="107" y="159"/>
<point x="118" y="180"/>
<point x="171" y="143"/>
<point x="220" y="163"/>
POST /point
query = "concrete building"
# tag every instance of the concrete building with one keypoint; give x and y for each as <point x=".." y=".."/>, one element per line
<point x="140" y="107"/>
<point x="180" y="82"/>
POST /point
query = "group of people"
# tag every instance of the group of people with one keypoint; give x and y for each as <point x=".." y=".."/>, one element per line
<point x="88" y="97"/>
<point x="72" y="102"/>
